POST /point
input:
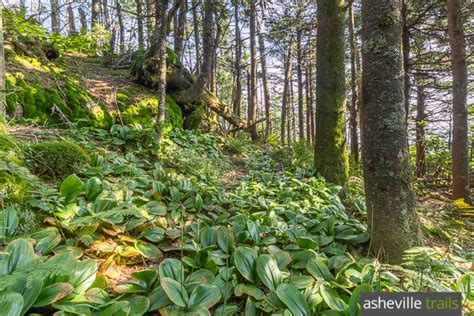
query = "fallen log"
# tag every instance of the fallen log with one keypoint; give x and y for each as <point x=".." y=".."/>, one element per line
<point x="181" y="86"/>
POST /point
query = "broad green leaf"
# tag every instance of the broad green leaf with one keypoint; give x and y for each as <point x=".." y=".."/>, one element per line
<point x="18" y="253"/>
<point x="319" y="270"/>
<point x="53" y="293"/>
<point x="354" y="300"/>
<point x="148" y="250"/>
<point x="205" y="295"/>
<point x="172" y="268"/>
<point x="245" y="259"/>
<point x="93" y="188"/>
<point x="268" y="271"/>
<point x="332" y="298"/>
<point x="227" y="310"/>
<point x="156" y="234"/>
<point x="175" y="291"/>
<point x="11" y="304"/>
<point x="71" y="187"/>
<point x="253" y="291"/>
<point x="293" y="299"/>
<point x="31" y="292"/>
<point x="208" y="237"/>
<point x="198" y="203"/>
<point x="158" y="299"/>
<point x="225" y="239"/>
<point x="146" y="277"/>
<point x="74" y="309"/>
<point x="118" y="308"/>
<point x="139" y="304"/>
<point x="8" y="222"/>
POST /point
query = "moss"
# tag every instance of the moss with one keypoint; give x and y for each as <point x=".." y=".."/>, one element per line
<point x="194" y="119"/>
<point x="172" y="57"/>
<point x="56" y="159"/>
<point x="174" y="114"/>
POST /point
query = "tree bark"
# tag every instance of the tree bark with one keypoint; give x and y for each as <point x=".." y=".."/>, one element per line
<point x="180" y="27"/>
<point x="406" y="59"/>
<point x="70" y="18"/>
<point x="55" y="19"/>
<point x="95" y="12"/>
<point x="162" y="8"/>
<point x="141" y="37"/>
<point x="392" y="218"/>
<point x="121" y="27"/>
<point x="354" y="90"/>
<point x="237" y="65"/>
<point x="252" y="108"/>
<point x="331" y="159"/>
<point x="420" y="130"/>
<point x="2" y="68"/>
<point x="197" y="40"/>
<point x="299" y="72"/>
<point x="263" y="63"/>
<point x="284" y="104"/>
<point x="106" y="13"/>
<point x="460" y="156"/>
<point x="83" y="19"/>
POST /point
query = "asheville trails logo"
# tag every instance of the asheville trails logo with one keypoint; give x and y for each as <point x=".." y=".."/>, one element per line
<point x="411" y="304"/>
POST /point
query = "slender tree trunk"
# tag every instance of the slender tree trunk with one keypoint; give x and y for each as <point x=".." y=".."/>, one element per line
<point x="354" y="90"/>
<point x="121" y="27"/>
<point x="284" y="104"/>
<point x="309" y="103"/>
<point x="180" y="27"/>
<point x="162" y="9"/>
<point x="460" y="155"/>
<point x="237" y="67"/>
<point x="70" y="18"/>
<point x="2" y="67"/>
<point x="106" y="13"/>
<point x="197" y="40"/>
<point x="292" y="130"/>
<point x="392" y="218"/>
<point x="55" y="19"/>
<point x="141" y="40"/>
<point x="95" y="12"/>
<point x="299" y="71"/>
<point x="263" y="63"/>
<point x="420" y="130"/>
<point x="331" y="159"/>
<point x="150" y="20"/>
<point x="252" y="109"/>
<point x="83" y="19"/>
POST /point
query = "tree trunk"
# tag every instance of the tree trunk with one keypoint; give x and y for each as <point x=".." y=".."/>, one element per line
<point x="284" y="104"/>
<point x="141" y="40"/>
<point x="252" y="108"/>
<point x="237" y="67"/>
<point x="70" y="18"/>
<point x="299" y="71"/>
<point x="197" y="40"/>
<point x="106" y="13"/>
<point x="121" y="27"/>
<point x="2" y="68"/>
<point x="83" y="19"/>
<point x="406" y="60"/>
<point x="263" y="63"/>
<point x="180" y="27"/>
<point x="460" y="155"/>
<point x="150" y="20"/>
<point x="354" y="90"/>
<point x="55" y="18"/>
<point x="392" y="218"/>
<point x="331" y="159"/>
<point x="420" y="130"/>
<point x="95" y="12"/>
<point x="162" y="8"/>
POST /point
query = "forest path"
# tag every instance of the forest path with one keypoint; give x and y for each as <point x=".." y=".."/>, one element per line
<point x="238" y="171"/>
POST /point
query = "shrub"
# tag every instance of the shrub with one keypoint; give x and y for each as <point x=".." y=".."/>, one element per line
<point x="56" y="159"/>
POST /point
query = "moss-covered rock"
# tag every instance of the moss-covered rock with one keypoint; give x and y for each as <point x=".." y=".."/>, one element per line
<point x="56" y="159"/>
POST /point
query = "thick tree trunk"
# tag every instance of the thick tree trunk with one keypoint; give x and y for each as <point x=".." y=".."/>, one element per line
<point x="141" y="38"/>
<point x="460" y="145"/>
<point x="121" y="27"/>
<point x="55" y="19"/>
<point x="299" y="71"/>
<point x="420" y="130"/>
<point x="392" y="218"/>
<point x="331" y="159"/>
<point x="406" y="59"/>
<point x="252" y="108"/>
<point x="354" y="90"/>
<point x="237" y="67"/>
<point x="284" y="104"/>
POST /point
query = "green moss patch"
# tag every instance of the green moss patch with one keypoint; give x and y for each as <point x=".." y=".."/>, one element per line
<point x="56" y="159"/>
